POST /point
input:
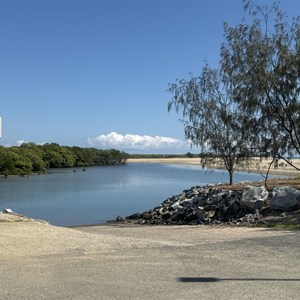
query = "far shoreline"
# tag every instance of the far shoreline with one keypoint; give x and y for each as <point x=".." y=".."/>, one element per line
<point x="195" y="161"/>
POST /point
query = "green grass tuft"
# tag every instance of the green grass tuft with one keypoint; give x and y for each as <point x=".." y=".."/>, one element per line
<point x="281" y="226"/>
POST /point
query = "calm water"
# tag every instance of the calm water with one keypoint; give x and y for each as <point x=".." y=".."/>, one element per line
<point x="66" y="198"/>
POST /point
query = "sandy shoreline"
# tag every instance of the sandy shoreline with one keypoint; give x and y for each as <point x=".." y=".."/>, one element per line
<point x="283" y="168"/>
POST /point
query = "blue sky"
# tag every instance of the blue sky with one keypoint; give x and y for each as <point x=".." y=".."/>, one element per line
<point x="95" y="73"/>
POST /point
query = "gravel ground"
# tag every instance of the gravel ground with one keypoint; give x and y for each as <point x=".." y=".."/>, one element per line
<point x="40" y="261"/>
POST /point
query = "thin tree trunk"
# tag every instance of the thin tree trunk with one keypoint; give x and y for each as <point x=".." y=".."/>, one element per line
<point x="230" y="177"/>
<point x="267" y="174"/>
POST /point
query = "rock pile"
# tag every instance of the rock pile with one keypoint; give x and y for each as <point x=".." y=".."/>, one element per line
<point x="214" y="205"/>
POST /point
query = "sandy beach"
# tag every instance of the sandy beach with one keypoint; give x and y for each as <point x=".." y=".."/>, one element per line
<point x="256" y="166"/>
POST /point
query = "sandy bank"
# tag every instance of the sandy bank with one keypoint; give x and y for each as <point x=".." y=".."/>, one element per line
<point x="181" y="161"/>
<point x="256" y="167"/>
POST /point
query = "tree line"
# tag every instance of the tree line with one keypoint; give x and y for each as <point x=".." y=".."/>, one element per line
<point x="31" y="158"/>
<point x="249" y="105"/>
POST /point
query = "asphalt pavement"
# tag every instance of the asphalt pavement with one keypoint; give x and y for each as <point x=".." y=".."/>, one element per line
<point x="38" y="261"/>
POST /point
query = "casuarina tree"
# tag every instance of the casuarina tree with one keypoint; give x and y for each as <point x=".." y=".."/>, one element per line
<point x="211" y="119"/>
<point x="261" y="57"/>
<point x="250" y="105"/>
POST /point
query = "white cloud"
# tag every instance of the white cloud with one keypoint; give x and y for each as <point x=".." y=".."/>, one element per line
<point x="133" y="142"/>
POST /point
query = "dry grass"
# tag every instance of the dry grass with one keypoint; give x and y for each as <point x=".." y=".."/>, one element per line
<point x="271" y="183"/>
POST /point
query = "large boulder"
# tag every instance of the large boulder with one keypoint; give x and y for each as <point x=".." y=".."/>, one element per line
<point x="253" y="197"/>
<point x="285" y="198"/>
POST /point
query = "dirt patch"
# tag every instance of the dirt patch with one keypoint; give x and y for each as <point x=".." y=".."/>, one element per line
<point x="271" y="183"/>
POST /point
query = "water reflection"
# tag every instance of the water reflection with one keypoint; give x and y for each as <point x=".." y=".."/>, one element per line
<point x="66" y="198"/>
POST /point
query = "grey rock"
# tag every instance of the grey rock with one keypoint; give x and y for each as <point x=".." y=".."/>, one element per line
<point x="134" y="216"/>
<point x="191" y="217"/>
<point x="146" y="215"/>
<point x="285" y="198"/>
<point x="200" y="200"/>
<point x="178" y="217"/>
<point x="8" y="211"/>
<point x="200" y="213"/>
<point x="209" y="214"/>
<point x="176" y="204"/>
<point x="254" y="197"/>
<point x="119" y="219"/>
<point x="187" y="202"/>
<point x="166" y="215"/>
